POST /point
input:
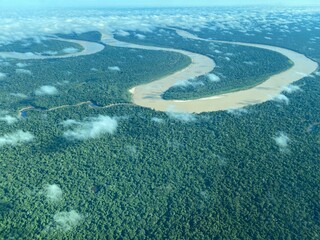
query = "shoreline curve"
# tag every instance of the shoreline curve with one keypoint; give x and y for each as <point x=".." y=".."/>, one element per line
<point x="88" y="49"/>
<point x="149" y="95"/>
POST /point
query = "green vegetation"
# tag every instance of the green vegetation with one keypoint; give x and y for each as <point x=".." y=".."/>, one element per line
<point x="221" y="176"/>
<point x="88" y="36"/>
<point x="238" y="67"/>
<point x="44" y="47"/>
<point x="75" y="79"/>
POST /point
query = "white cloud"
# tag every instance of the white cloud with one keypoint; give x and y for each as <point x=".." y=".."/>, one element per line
<point x="69" y="122"/>
<point x="237" y="111"/>
<point x="114" y="68"/>
<point x="183" y="117"/>
<point x="282" y="140"/>
<point x="190" y="82"/>
<point x="66" y="221"/>
<point x="20" y="95"/>
<point x="22" y="65"/>
<point x="23" y="71"/>
<point x="52" y="53"/>
<point x="70" y="50"/>
<point x="213" y="78"/>
<point x="8" y="119"/>
<point x="4" y="64"/>
<point x="46" y="90"/>
<point x="140" y="36"/>
<point x="16" y="138"/>
<point x="157" y="120"/>
<point x="249" y="63"/>
<point x="63" y="82"/>
<point x="91" y="128"/>
<point x="281" y="99"/>
<point x="45" y="22"/>
<point x="53" y="192"/>
<point x="2" y="75"/>
<point x="122" y="33"/>
<point x="230" y="54"/>
<point x="291" y="89"/>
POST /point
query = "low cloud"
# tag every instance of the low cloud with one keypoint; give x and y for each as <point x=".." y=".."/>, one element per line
<point x="291" y="89"/>
<point x="157" y="120"/>
<point x="230" y="54"/>
<point x="53" y="192"/>
<point x="281" y="99"/>
<point x="63" y="82"/>
<point x="90" y="128"/>
<point x="282" y="140"/>
<point x="140" y="36"/>
<point x="237" y="111"/>
<point x="4" y="64"/>
<point x="114" y="68"/>
<point x="66" y="221"/>
<point x="20" y="95"/>
<point x="2" y="75"/>
<point x="51" y="53"/>
<point x="46" y="90"/>
<point x="190" y="82"/>
<point x="122" y="33"/>
<point x="23" y="71"/>
<point x="249" y="63"/>
<point x="8" y="119"/>
<point x="40" y="23"/>
<point x="16" y="138"/>
<point x="22" y="65"/>
<point x="70" y="50"/>
<point x="183" y="117"/>
<point x="213" y="78"/>
<point x="69" y="122"/>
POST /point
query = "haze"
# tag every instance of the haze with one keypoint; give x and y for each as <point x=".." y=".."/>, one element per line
<point x="145" y="3"/>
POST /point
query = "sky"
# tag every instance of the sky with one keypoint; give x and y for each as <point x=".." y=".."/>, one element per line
<point x="147" y="3"/>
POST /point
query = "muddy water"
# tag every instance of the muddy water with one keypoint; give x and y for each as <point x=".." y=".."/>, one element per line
<point x="149" y="95"/>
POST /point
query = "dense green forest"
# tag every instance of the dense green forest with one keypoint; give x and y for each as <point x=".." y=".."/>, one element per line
<point x="300" y="35"/>
<point x="42" y="47"/>
<point x="238" y="67"/>
<point x="251" y="173"/>
<point x="74" y="80"/>
<point x="92" y="36"/>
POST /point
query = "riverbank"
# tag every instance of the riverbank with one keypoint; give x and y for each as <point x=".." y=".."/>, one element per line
<point x="149" y="95"/>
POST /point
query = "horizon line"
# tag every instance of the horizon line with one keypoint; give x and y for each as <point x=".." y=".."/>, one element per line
<point x="160" y="6"/>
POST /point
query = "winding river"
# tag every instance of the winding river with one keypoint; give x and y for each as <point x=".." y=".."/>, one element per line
<point x="88" y="49"/>
<point x="149" y="95"/>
